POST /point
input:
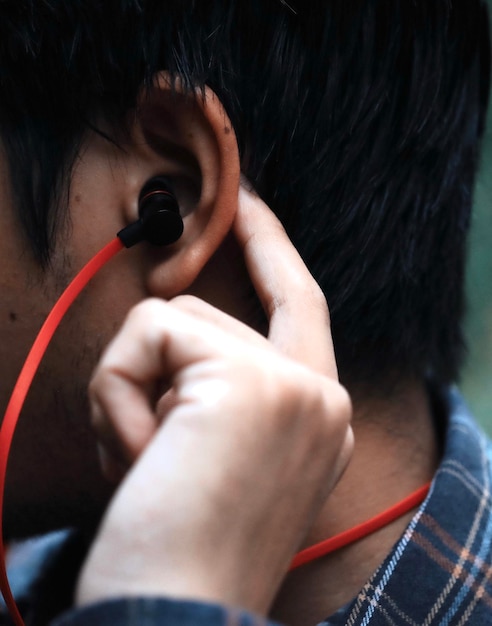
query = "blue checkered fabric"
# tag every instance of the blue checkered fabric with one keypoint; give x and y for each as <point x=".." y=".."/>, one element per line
<point x="440" y="572"/>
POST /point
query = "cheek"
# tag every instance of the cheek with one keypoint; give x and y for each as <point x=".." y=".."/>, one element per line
<point x="86" y="329"/>
<point x="100" y="310"/>
<point x="53" y="457"/>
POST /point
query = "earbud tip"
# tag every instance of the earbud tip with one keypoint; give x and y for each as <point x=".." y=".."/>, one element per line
<point x="160" y="222"/>
<point x="162" y="227"/>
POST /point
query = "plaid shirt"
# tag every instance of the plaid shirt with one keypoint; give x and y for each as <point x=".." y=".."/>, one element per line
<point x="439" y="573"/>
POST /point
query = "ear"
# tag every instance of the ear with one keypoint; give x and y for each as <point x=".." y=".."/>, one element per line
<point x="191" y="141"/>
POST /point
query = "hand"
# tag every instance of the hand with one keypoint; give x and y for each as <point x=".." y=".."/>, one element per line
<point x="228" y="475"/>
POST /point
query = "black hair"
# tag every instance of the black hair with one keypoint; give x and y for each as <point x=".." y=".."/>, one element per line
<point x="358" y="122"/>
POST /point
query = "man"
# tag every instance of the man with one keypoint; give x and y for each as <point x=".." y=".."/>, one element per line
<point x="359" y="125"/>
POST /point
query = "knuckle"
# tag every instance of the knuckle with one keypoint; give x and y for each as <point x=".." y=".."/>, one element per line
<point x="340" y="413"/>
<point x="317" y="301"/>
<point x="186" y="302"/>
<point x="344" y="403"/>
<point x="141" y="312"/>
<point x="98" y="389"/>
<point x="296" y="390"/>
<point x="333" y="410"/>
<point x="273" y="388"/>
<point x="310" y="294"/>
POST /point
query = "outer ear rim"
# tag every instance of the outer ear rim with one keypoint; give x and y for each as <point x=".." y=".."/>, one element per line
<point x="185" y="259"/>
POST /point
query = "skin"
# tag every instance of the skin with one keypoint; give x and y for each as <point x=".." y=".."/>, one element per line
<point x="185" y="470"/>
<point x="104" y="195"/>
<point x="244" y="415"/>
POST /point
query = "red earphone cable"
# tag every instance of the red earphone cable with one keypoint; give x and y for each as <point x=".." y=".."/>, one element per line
<point x="361" y="530"/>
<point x="22" y="387"/>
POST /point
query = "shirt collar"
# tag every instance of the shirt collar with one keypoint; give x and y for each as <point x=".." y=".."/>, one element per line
<point x="436" y="572"/>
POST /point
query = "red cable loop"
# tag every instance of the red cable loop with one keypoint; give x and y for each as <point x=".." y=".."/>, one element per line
<point x="21" y="389"/>
<point x="361" y="530"/>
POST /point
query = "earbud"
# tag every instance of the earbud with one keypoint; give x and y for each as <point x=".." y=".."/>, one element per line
<point x="159" y="220"/>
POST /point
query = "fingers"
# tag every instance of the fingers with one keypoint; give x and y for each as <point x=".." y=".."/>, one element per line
<point x="161" y="339"/>
<point x="293" y="302"/>
<point x="157" y="341"/>
<point x="205" y="312"/>
<point x="250" y="427"/>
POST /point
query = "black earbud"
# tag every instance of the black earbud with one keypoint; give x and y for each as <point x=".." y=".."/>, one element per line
<point x="159" y="220"/>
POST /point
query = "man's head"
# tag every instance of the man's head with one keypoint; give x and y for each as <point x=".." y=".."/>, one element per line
<point x="357" y="122"/>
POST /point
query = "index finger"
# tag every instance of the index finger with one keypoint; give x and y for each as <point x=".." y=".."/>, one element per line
<point x="293" y="302"/>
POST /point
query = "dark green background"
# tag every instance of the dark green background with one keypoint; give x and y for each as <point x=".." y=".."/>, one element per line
<point x="477" y="375"/>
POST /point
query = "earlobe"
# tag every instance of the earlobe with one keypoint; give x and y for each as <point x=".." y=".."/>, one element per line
<point x="194" y="136"/>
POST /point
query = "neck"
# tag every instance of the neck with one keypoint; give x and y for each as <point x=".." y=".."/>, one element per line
<point x="396" y="451"/>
